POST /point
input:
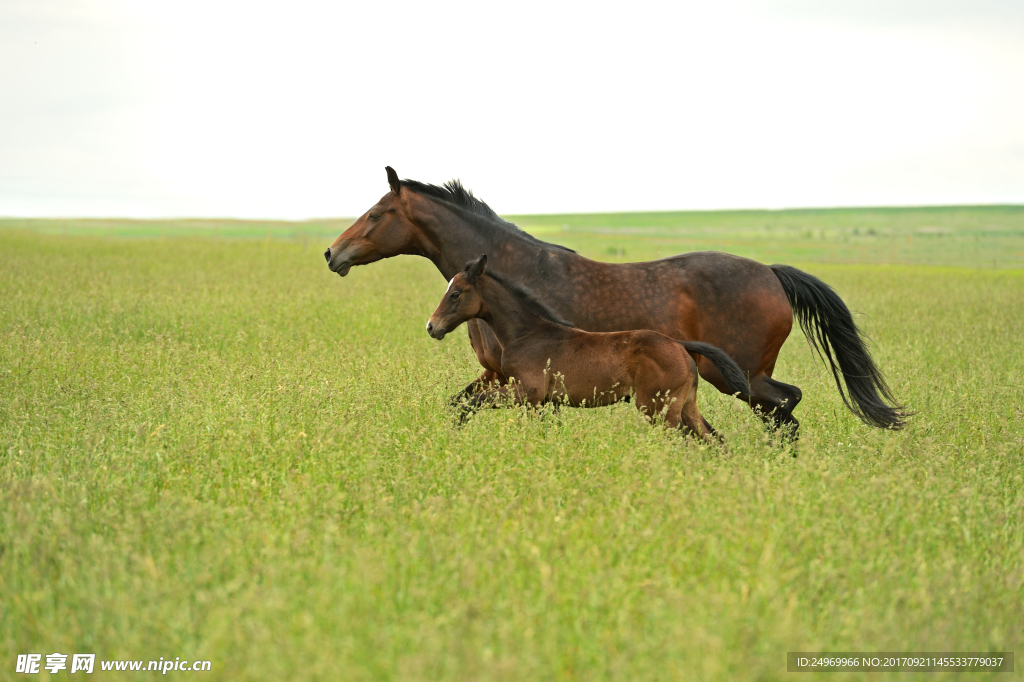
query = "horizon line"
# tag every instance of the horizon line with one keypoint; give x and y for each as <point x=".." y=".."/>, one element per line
<point x="530" y="215"/>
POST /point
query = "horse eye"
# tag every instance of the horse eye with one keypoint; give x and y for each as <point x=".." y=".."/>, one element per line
<point x="455" y="295"/>
<point x="373" y="216"/>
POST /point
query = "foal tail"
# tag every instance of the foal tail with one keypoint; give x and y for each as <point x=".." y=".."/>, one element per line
<point x="829" y="328"/>
<point x="734" y="377"/>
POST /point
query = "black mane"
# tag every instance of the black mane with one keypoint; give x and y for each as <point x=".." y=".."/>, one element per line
<point x="532" y="302"/>
<point x="452" y="192"/>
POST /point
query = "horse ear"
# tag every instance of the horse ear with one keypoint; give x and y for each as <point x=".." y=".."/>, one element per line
<point x="476" y="268"/>
<point x="396" y="186"/>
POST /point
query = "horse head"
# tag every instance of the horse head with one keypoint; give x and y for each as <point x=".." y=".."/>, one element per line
<point x="382" y="232"/>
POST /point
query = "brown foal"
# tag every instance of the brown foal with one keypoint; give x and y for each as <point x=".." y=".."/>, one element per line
<point x="552" y="361"/>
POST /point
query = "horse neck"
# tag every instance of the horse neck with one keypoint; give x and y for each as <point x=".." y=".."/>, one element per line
<point x="451" y="238"/>
<point x="509" y="316"/>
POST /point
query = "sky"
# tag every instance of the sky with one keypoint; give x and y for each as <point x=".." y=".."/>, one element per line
<point x="292" y="109"/>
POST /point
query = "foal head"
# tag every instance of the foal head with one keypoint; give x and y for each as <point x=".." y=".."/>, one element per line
<point x="461" y="301"/>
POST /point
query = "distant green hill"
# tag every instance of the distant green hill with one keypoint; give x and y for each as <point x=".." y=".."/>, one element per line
<point x="226" y="228"/>
<point x="972" y="236"/>
<point x="975" y="236"/>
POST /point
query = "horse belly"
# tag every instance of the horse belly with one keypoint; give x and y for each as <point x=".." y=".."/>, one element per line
<point x="730" y="302"/>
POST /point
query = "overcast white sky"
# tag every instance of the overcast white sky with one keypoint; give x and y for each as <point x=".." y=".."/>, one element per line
<point x="292" y="109"/>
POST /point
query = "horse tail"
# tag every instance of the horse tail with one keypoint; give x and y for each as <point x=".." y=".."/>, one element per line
<point x="829" y="328"/>
<point x="734" y="377"/>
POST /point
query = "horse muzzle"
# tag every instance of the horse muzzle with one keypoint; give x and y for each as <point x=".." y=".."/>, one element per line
<point x="338" y="260"/>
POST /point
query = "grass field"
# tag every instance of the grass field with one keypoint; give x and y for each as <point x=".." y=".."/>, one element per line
<point x="213" y="448"/>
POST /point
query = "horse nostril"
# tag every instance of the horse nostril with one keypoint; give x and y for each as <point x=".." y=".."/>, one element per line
<point x="327" y="254"/>
<point x="430" y="327"/>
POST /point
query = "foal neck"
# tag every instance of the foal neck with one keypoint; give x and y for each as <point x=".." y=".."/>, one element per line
<point x="510" y="313"/>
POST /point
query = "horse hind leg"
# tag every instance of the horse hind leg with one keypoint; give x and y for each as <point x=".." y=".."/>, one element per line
<point x="710" y="428"/>
<point x="774" y="402"/>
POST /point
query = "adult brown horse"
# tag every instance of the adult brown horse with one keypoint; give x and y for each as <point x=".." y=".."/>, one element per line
<point x="554" y="362"/>
<point x="736" y="304"/>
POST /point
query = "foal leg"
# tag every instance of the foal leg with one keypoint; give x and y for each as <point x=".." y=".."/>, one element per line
<point x="682" y="413"/>
<point x="682" y="410"/>
<point x="692" y="421"/>
<point x="651" y="402"/>
<point x="488" y="352"/>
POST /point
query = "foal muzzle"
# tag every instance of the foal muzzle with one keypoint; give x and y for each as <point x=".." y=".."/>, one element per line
<point x="436" y="332"/>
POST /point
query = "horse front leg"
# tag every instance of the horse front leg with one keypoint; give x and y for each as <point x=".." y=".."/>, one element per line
<point x="491" y="397"/>
<point x="489" y="379"/>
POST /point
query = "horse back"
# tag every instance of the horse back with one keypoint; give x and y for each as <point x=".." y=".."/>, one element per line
<point x="671" y="295"/>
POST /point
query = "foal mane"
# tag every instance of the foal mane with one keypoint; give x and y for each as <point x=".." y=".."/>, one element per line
<point x="453" y="192"/>
<point x="530" y="300"/>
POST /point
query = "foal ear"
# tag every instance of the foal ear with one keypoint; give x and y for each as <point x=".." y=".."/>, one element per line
<point x="396" y="186"/>
<point x="476" y="268"/>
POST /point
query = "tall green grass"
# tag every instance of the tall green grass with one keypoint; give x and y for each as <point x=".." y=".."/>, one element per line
<point x="219" y="450"/>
